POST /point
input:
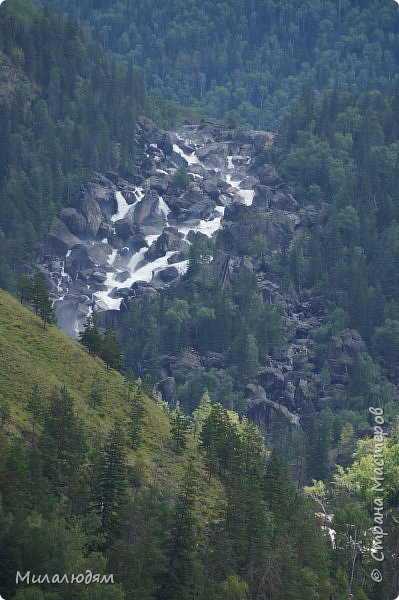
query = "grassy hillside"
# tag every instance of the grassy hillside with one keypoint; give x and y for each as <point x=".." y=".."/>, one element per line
<point x="30" y="354"/>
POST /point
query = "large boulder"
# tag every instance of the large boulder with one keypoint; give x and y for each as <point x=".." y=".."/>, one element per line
<point x="341" y="353"/>
<point x="170" y="240"/>
<point x="150" y="214"/>
<point x="102" y="191"/>
<point x="79" y="263"/>
<point x="284" y="201"/>
<point x="75" y="221"/>
<point x="59" y="239"/>
<point x="167" y="388"/>
<point x="91" y="210"/>
<point x="159" y="183"/>
<point x="272" y="380"/>
<point x="262" y="410"/>
<point x="125" y="229"/>
<point x="169" y="274"/>
<point x="267" y="175"/>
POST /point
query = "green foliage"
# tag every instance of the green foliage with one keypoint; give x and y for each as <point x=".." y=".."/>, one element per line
<point x="110" y="487"/>
<point x="35" y="406"/>
<point x="96" y="395"/>
<point x="247" y="60"/>
<point x="62" y="441"/>
<point x="110" y="350"/>
<point x="64" y="109"/>
<point x="90" y="336"/>
<point x="137" y="415"/>
<point x="5" y="412"/>
<point x="180" y="180"/>
<point x="179" y="429"/>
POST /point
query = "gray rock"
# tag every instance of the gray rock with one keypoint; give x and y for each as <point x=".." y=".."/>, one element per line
<point x="122" y="276"/>
<point x="75" y="221"/>
<point x="169" y="240"/>
<point x="59" y="239"/>
<point x="284" y="201"/>
<point x="263" y="196"/>
<point x="169" y="274"/>
<point x="213" y="360"/>
<point x="91" y="210"/>
<point x="148" y="214"/>
<point x="125" y="229"/>
<point x="99" y="276"/>
<point x="102" y="191"/>
<point x="79" y="262"/>
<point x="249" y="183"/>
<point x="268" y="175"/>
<point x="272" y="380"/>
<point x="211" y="187"/>
<point x="167" y="388"/>
<point x="160" y="183"/>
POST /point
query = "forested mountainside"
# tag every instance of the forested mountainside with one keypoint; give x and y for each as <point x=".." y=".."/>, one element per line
<point x="251" y="280"/>
<point x="97" y="477"/>
<point x="249" y="56"/>
<point x="65" y="111"/>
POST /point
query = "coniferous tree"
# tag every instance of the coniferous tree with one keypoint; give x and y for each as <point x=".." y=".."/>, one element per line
<point x="181" y="577"/>
<point x="110" y="350"/>
<point x="25" y="288"/>
<point x="62" y="440"/>
<point x="96" y="396"/>
<point x="90" y="336"/>
<point x="179" y="429"/>
<point x="137" y="413"/>
<point x="202" y="412"/>
<point x="35" y="406"/>
<point x="111" y="483"/>
<point x="41" y="301"/>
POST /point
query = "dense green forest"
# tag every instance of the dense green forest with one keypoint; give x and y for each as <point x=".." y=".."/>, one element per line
<point x="65" y="111"/>
<point x="249" y="56"/>
<point x="192" y="500"/>
<point x="343" y="151"/>
<point x="97" y="477"/>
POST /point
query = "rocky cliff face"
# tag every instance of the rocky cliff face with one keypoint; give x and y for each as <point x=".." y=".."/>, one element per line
<point x="122" y="240"/>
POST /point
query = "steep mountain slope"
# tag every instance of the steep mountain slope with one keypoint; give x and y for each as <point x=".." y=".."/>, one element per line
<point x="81" y="494"/>
<point x="247" y="55"/>
<point x="30" y="354"/>
<point x="65" y="111"/>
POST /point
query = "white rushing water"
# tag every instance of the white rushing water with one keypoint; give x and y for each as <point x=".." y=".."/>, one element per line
<point x="123" y="207"/>
<point x="192" y="159"/>
<point x="247" y="196"/>
<point x="139" y="269"/>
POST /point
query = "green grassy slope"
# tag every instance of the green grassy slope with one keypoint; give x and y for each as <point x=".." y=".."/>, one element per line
<point x="30" y="354"/>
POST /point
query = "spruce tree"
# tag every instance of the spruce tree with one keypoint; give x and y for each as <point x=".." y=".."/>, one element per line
<point x="40" y="296"/>
<point x="35" y="406"/>
<point x="111" y="351"/>
<point x="90" y="336"/>
<point x="62" y="440"/>
<point x="111" y="483"/>
<point x="179" y="429"/>
<point x="202" y="412"/>
<point x="137" y="413"/>
<point x="25" y="288"/>
<point x="181" y="577"/>
<point x="96" y="397"/>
